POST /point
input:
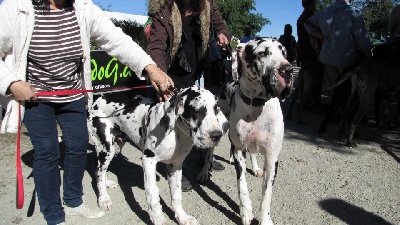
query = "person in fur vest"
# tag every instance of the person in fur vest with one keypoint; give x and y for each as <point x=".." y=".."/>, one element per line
<point x="178" y="43"/>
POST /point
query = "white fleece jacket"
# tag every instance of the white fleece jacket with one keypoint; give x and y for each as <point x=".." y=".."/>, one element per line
<point x="16" y="28"/>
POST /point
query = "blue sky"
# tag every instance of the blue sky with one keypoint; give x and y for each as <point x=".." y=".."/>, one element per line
<point x="279" y="12"/>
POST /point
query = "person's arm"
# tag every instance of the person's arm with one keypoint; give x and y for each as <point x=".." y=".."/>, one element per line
<point x="10" y="84"/>
<point x="219" y="26"/>
<point x="314" y="33"/>
<point x="157" y="47"/>
<point x="360" y="33"/>
<point x="312" y="28"/>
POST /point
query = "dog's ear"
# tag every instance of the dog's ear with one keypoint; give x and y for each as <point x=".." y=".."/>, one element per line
<point x="249" y="54"/>
<point x="180" y="104"/>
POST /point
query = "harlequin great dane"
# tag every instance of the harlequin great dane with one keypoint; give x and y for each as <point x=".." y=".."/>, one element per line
<point x="164" y="131"/>
<point x="256" y="122"/>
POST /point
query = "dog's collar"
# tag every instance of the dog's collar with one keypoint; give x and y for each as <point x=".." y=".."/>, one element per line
<point x="256" y="102"/>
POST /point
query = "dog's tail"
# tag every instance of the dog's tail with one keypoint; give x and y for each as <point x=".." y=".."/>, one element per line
<point x="344" y="75"/>
<point x="341" y="80"/>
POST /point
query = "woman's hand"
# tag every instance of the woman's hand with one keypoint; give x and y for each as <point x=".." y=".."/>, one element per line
<point x="22" y="91"/>
<point x="161" y="81"/>
<point x="222" y="39"/>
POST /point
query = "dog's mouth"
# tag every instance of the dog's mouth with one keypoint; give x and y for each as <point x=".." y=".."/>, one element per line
<point x="284" y="75"/>
<point x="209" y="140"/>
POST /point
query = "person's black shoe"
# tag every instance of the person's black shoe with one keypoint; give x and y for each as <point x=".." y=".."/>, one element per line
<point x="217" y="166"/>
<point x="186" y="186"/>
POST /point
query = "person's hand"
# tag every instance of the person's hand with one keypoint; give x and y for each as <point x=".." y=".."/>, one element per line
<point x="161" y="81"/>
<point x="22" y="91"/>
<point x="222" y="39"/>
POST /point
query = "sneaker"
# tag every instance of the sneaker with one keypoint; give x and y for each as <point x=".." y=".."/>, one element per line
<point x="62" y="223"/>
<point x="85" y="211"/>
<point x="217" y="166"/>
<point x="186" y="186"/>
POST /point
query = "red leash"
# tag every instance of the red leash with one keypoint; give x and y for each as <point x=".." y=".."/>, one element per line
<point x="20" y="180"/>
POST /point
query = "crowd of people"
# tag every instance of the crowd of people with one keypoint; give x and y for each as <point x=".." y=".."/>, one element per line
<point x="54" y="34"/>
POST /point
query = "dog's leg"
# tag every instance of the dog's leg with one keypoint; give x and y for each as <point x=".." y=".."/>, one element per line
<point x="103" y="161"/>
<point x="175" y="183"/>
<point x="105" y="151"/>
<point x="203" y="176"/>
<point x="151" y="189"/>
<point x="365" y="104"/>
<point x="270" y="171"/>
<point x="257" y="171"/>
<point x="246" y="211"/>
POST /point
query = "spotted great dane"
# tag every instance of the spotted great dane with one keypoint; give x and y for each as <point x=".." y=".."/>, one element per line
<point x="164" y="131"/>
<point x="256" y="123"/>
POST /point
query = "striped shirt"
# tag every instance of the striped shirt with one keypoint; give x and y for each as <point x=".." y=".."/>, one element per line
<point x="55" y="52"/>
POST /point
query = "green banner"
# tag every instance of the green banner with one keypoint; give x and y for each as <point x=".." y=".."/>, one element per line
<point x="108" y="72"/>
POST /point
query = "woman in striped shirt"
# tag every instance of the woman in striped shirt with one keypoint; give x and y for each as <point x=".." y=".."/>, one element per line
<point x="43" y="44"/>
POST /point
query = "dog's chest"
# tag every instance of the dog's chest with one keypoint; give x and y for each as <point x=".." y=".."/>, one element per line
<point x="257" y="128"/>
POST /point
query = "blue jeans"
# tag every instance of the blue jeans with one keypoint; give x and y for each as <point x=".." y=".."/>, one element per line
<point x="41" y="121"/>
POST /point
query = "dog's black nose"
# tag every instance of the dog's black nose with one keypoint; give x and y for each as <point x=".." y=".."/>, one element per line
<point x="216" y="135"/>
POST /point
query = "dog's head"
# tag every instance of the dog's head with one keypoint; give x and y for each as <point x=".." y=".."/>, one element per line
<point x="200" y="117"/>
<point x="263" y="66"/>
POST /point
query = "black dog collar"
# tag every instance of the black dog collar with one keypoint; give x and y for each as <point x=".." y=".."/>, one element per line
<point x="256" y="102"/>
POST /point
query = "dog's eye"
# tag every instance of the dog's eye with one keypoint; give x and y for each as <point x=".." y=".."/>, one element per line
<point x="262" y="54"/>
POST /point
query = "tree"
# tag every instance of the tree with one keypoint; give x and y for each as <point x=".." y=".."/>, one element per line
<point x="322" y="4"/>
<point x="375" y="14"/>
<point x="132" y="29"/>
<point x="238" y="15"/>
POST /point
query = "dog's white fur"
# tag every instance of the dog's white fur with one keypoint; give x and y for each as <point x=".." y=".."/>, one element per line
<point x="256" y="121"/>
<point x="164" y="131"/>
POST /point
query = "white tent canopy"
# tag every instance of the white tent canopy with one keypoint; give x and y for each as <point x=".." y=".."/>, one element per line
<point x="128" y="17"/>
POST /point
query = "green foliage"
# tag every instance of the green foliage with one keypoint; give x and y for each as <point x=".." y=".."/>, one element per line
<point x="238" y="15"/>
<point x="375" y="14"/>
<point x="130" y="28"/>
<point x="322" y="4"/>
<point x="134" y="30"/>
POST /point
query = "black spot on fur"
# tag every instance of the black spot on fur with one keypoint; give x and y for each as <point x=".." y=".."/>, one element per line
<point x="238" y="168"/>
<point x="101" y="133"/>
<point x="148" y="153"/>
<point x="95" y="107"/>
<point x="102" y="157"/>
<point x="191" y="112"/>
<point x="249" y="54"/>
<point x="165" y="120"/>
<point x="267" y="52"/>
<point x="276" y="172"/>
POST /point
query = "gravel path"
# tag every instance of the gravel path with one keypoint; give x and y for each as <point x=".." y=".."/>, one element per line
<point x="319" y="182"/>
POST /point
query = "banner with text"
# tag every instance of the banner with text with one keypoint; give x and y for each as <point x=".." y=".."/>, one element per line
<point x="108" y="72"/>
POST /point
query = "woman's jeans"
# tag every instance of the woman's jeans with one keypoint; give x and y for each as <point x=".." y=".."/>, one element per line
<point x="41" y="121"/>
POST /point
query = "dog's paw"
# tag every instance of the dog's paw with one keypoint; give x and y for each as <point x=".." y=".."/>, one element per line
<point x="257" y="172"/>
<point x="105" y="202"/>
<point x="351" y="144"/>
<point x="247" y="218"/>
<point x="158" y="220"/>
<point x="203" y="177"/>
<point x="187" y="220"/>
<point x="111" y="184"/>
<point x="266" y="221"/>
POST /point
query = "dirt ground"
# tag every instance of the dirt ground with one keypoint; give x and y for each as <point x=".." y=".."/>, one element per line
<point x="320" y="181"/>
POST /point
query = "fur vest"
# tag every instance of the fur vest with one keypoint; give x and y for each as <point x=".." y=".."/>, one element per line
<point x="166" y="31"/>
